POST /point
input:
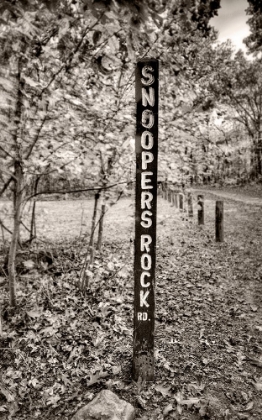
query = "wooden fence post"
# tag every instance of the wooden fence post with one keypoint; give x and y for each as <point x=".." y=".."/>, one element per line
<point x="169" y="196"/>
<point x="219" y="221"/>
<point x="175" y="200"/>
<point x="181" y="201"/>
<point x="200" y="207"/>
<point x="190" y="205"/>
<point x="165" y="190"/>
<point x="145" y="218"/>
<point x="172" y="198"/>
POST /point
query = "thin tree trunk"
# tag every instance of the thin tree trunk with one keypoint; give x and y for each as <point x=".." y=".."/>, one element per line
<point x="252" y="161"/>
<point x="101" y="227"/>
<point x="93" y="226"/>
<point x="32" y="226"/>
<point x="3" y="233"/>
<point x="258" y="157"/>
<point x="84" y="276"/>
<point x="33" y="216"/>
<point x="18" y="197"/>
<point x="18" y="185"/>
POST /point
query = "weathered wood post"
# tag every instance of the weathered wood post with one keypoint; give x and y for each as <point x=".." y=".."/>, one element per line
<point x="165" y="190"/>
<point x="181" y="202"/>
<point x="190" y="205"/>
<point x="219" y="221"/>
<point x="145" y="218"/>
<point x="176" y="201"/>
<point x="172" y="198"/>
<point x="169" y="195"/>
<point x="200" y="208"/>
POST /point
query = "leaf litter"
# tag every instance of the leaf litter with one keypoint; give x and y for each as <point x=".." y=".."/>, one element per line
<point x="60" y="346"/>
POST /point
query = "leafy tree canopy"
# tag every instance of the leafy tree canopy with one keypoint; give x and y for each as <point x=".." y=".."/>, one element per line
<point x="254" y="40"/>
<point x="203" y="11"/>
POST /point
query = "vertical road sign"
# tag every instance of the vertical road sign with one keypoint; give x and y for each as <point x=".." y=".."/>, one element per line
<point x="147" y="73"/>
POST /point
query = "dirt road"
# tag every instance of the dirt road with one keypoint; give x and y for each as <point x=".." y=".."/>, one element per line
<point x="242" y="196"/>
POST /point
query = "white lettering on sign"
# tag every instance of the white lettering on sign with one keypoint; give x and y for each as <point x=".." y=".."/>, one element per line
<point x="142" y="316"/>
<point x="147" y="140"/>
<point x="148" y="97"/>
<point x="146" y="199"/>
<point x="147" y="75"/>
<point x="147" y="157"/>
<point x="148" y="118"/>
<point x="142" y="279"/>
<point x="145" y="181"/>
<point x="146" y="262"/>
<point x="146" y="240"/>
<point x="146" y="221"/>
<point x="143" y="298"/>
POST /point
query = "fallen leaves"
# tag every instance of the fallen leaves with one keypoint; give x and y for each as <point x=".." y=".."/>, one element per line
<point x="165" y="391"/>
<point x="254" y="361"/>
<point x="34" y="313"/>
<point x="61" y="347"/>
<point x="258" y="384"/>
<point x="96" y="377"/>
<point x="6" y="393"/>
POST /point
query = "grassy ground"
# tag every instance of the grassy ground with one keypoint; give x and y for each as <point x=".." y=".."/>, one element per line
<point x="60" y="346"/>
<point x="58" y="220"/>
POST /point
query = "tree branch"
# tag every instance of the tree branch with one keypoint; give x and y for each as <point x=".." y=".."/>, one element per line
<point x="72" y="54"/>
<point x="31" y="147"/>
<point x="100" y="188"/>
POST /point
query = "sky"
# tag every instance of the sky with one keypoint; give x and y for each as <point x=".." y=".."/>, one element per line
<point x="231" y="22"/>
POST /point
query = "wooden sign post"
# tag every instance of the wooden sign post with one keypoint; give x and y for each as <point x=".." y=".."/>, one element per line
<point x="219" y="221"/>
<point x="145" y="217"/>
<point x="190" y="205"/>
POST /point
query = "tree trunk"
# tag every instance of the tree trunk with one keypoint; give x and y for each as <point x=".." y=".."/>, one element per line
<point x="258" y="161"/>
<point x="32" y="225"/>
<point x="33" y="222"/>
<point x="93" y="226"/>
<point x="101" y="227"/>
<point x="18" y="177"/>
<point x="18" y="198"/>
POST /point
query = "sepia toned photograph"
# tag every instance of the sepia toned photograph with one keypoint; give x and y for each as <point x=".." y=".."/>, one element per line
<point x="130" y="209"/>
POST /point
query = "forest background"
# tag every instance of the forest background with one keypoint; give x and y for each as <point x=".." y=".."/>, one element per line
<point x="67" y="103"/>
<point x="67" y="110"/>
